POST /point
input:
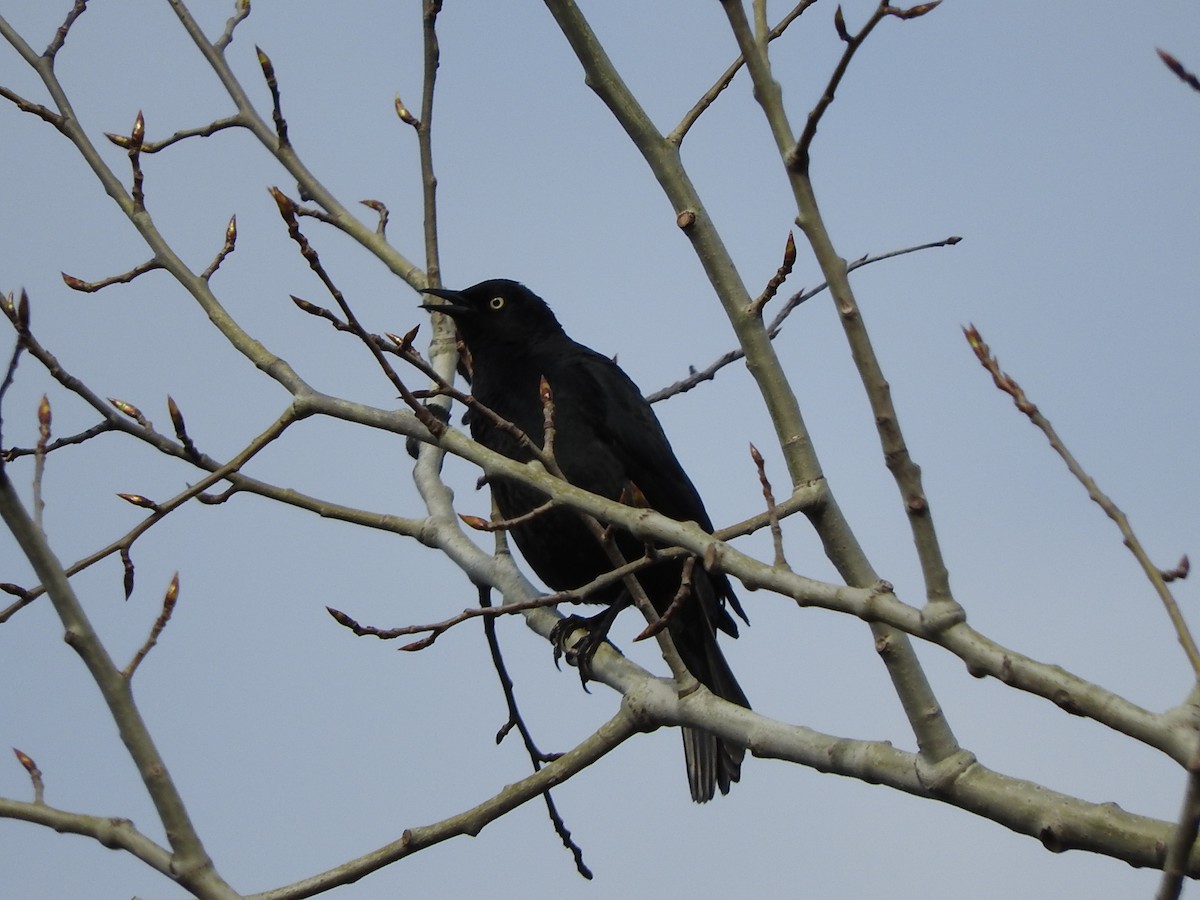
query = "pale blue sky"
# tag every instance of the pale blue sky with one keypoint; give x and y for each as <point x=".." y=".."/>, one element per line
<point x="1049" y="136"/>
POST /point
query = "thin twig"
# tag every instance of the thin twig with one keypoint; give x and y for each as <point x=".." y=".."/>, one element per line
<point x="60" y="36"/>
<point x="430" y="10"/>
<point x="35" y="776"/>
<point x="798" y="159"/>
<point x="478" y="523"/>
<point x="515" y="720"/>
<point x="226" y="249"/>
<point x="772" y="509"/>
<point x="677" y="135"/>
<point x="168" y="607"/>
<point x="437" y="629"/>
<point x="19" y="316"/>
<point x="234" y="121"/>
<point x="287" y="209"/>
<point x="682" y="595"/>
<point x="1006" y="383"/>
<point x="136" y="136"/>
<point x="696" y="377"/>
<point x="268" y="70"/>
<point x="123" y="544"/>
<point x="777" y="280"/>
<point x="39" y="460"/>
<point x="90" y="287"/>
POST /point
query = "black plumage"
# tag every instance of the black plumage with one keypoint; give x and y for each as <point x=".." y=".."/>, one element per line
<point x="607" y="441"/>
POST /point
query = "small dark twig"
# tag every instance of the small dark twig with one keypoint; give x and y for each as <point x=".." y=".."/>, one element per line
<point x="287" y="209"/>
<point x="268" y="71"/>
<point x="35" y="776"/>
<point x="234" y="121"/>
<point x="676" y="137"/>
<point x="798" y="157"/>
<point x="226" y="249"/>
<point x="777" y="280"/>
<point x="677" y="602"/>
<point x="181" y="429"/>
<point x="437" y="629"/>
<point x="136" y="136"/>
<point x="696" y="377"/>
<point x="46" y="115"/>
<point x="10" y="374"/>
<point x="98" y="429"/>
<point x="516" y="720"/>
<point x="90" y="287"/>
<point x="478" y="523"/>
<point x="156" y="630"/>
<point x="1175" y="66"/>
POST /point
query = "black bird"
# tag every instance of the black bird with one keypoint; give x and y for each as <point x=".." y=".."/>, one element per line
<point x="607" y="441"/>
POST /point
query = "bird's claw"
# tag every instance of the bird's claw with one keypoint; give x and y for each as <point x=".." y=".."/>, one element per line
<point x="580" y="653"/>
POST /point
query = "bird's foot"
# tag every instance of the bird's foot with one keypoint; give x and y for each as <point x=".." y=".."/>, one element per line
<point x="581" y="653"/>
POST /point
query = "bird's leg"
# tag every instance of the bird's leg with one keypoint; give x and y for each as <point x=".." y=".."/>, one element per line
<point x="596" y="627"/>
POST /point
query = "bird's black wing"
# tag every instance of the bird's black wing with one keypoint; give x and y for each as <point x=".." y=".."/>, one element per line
<point x="624" y="423"/>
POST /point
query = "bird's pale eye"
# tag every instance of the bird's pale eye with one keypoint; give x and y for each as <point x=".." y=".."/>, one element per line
<point x="496" y="303"/>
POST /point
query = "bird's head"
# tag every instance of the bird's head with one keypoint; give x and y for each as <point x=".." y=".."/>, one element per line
<point x="497" y="313"/>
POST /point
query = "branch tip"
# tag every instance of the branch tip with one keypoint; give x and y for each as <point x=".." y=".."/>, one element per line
<point x="839" y="23"/>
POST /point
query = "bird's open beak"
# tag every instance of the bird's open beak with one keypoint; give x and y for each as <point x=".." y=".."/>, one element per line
<point x="454" y="305"/>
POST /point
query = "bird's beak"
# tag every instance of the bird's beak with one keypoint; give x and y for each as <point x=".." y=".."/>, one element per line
<point x="454" y="305"/>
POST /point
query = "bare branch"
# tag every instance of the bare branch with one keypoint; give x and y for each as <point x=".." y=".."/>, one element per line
<point x="191" y="865"/>
<point x="108" y="831"/>
<point x="798" y="158"/>
<point x="1008" y="384"/>
<point x="777" y="280"/>
<point x="515" y="720"/>
<point x="29" y="106"/>
<point x="680" y="131"/>
<point x="696" y="377"/>
<point x="437" y="629"/>
<point x="156" y="630"/>
<point x="624" y="725"/>
<point x="39" y="460"/>
<point x="226" y="38"/>
<point x="772" y="509"/>
<point x="287" y="209"/>
<point x="234" y="121"/>
<point x="268" y="71"/>
<point x="90" y="287"/>
<point x="681" y="597"/>
<point x="226" y="249"/>
<point x="60" y="36"/>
